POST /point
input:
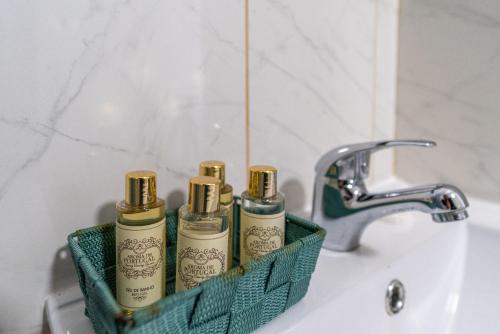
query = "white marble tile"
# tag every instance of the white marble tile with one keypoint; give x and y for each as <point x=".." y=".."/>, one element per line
<point x="89" y="90"/>
<point x="448" y="91"/>
<point x="315" y="74"/>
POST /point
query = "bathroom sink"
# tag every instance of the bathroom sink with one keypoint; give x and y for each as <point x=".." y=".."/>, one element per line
<point x="449" y="272"/>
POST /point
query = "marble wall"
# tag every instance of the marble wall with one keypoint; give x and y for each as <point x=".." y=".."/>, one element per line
<point x="448" y="90"/>
<point x="322" y="75"/>
<point x="91" y="89"/>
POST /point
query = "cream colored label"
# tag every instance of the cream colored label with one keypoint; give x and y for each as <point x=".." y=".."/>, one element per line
<point x="140" y="264"/>
<point x="260" y="234"/>
<point x="199" y="257"/>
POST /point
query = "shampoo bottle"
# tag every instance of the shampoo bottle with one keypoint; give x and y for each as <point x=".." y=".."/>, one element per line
<point x="140" y="243"/>
<point x="217" y="169"/>
<point x="262" y="215"/>
<point x="202" y="235"/>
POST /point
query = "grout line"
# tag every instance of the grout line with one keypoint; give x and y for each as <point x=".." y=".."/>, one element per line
<point x="374" y="76"/>
<point x="247" y="88"/>
<point x="396" y="88"/>
<point x="375" y="68"/>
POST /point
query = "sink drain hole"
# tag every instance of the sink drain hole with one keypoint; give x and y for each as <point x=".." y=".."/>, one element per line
<point x="395" y="297"/>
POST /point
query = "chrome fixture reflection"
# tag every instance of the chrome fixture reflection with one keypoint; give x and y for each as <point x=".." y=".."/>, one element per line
<point x="344" y="207"/>
<point x="395" y="297"/>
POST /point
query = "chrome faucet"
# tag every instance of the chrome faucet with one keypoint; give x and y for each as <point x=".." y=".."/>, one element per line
<point x="343" y="206"/>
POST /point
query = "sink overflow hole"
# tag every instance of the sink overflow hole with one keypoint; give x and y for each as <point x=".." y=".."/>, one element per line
<point x="395" y="297"/>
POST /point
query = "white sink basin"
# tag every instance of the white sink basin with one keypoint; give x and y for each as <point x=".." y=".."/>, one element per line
<point x="450" y="273"/>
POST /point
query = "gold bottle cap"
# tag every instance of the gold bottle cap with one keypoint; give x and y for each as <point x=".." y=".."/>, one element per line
<point x="204" y="192"/>
<point x="140" y="188"/>
<point x="262" y="181"/>
<point x="214" y="168"/>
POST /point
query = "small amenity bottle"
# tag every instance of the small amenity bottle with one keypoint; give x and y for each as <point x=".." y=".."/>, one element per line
<point x="262" y="215"/>
<point x="202" y="235"/>
<point x="140" y="243"/>
<point x="217" y="169"/>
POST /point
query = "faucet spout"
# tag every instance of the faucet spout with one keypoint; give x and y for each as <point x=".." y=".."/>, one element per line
<point x="435" y="199"/>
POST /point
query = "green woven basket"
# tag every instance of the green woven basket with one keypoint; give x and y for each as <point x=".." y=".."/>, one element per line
<point x="238" y="301"/>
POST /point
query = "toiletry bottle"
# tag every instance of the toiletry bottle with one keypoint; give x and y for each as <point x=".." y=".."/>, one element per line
<point x="202" y="235"/>
<point x="140" y="243"/>
<point x="217" y="169"/>
<point x="262" y="215"/>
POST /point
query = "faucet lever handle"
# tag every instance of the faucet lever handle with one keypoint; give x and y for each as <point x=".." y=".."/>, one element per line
<point x="352" y="162"/>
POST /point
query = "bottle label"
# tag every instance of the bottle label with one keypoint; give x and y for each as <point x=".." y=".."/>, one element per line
<point x="260" y="234"/>
<point x="199" y="257"/>
<point x="140" y="267"/>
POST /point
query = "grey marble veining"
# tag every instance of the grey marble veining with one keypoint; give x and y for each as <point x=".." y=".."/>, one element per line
<point x="449" y="70"/>
<point x="89" y="90"/>
<point x="322" y="75"/>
